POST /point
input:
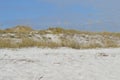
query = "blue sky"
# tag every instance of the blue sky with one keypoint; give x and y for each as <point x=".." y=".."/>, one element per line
<point x="90" y="15"/>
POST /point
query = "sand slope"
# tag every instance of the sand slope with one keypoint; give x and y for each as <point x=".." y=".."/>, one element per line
<point x="59" y="64"/>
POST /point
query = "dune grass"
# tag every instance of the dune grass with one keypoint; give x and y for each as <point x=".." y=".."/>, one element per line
<point x="23" y="33"/>
<point x="6" y="43"/>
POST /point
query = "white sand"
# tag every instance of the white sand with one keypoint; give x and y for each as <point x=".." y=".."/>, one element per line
<point x="59" y="64"/>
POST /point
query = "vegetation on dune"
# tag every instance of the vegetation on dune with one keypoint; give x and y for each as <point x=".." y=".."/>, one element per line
<point x="25" y="34"/>
<point x="17" y="29"/>
<point x="1" y="31"/>
<point x="6" y="43"/>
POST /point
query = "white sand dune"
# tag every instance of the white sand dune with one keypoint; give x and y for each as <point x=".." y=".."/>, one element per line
<point x="59" y="64"/>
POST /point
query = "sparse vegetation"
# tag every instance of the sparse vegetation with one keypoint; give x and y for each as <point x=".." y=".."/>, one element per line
<point x="18" y="29"/>
<point x="27" y="37"/>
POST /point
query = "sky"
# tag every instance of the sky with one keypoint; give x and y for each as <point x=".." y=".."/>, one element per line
<point x="87" y="15"/>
